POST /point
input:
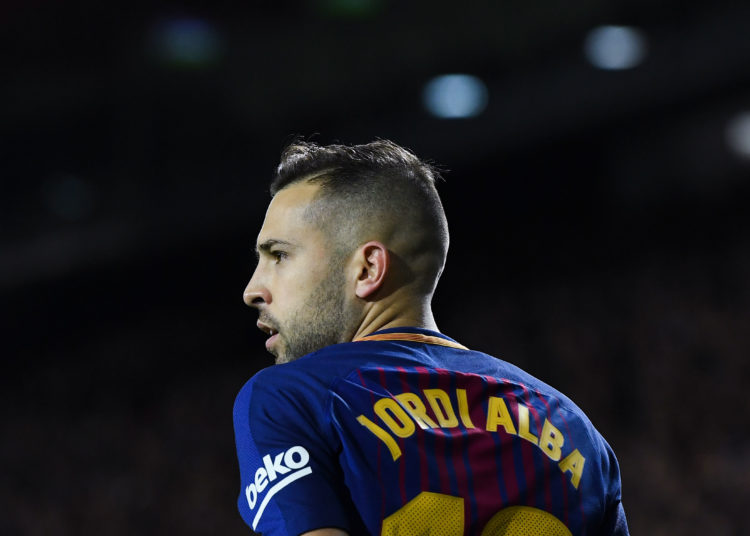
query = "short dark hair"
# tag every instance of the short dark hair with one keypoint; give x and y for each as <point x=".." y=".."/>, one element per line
<point x="350" y="164"/>
<point x="367" y="184"/>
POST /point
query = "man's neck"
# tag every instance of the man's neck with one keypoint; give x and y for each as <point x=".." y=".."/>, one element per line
<point x="385" y="319"/>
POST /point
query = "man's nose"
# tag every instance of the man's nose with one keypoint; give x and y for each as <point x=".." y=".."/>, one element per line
<point x="256" y="294"/>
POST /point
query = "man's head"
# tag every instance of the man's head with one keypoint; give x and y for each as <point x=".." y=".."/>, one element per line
<point x="354" y="240"/>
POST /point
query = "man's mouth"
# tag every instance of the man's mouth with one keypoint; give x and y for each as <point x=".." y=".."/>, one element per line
<point x="273" y="333"/>
<point x="271" y="340"/>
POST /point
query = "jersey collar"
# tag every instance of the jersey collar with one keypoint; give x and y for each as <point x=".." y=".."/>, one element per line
<point x="412" y="334"/>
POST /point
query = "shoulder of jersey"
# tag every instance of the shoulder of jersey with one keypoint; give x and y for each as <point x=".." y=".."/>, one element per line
<point x="315" y="363"/>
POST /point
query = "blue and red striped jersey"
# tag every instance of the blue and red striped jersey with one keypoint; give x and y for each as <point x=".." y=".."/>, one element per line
<point x="408" y="432"/>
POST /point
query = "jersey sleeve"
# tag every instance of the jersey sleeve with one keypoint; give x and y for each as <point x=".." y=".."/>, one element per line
<point x="290" y="481"/>
<point x="615" y="522"/>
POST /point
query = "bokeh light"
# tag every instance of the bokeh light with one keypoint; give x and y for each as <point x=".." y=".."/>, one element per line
<point x="738" y="135"/>
<point x="454" y="96"/>
<point x="615" y="47"/>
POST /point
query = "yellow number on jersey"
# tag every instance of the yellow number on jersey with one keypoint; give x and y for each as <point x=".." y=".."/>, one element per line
<point x="437" y="514"/>
<point x="524" y="521"/>
<point x="428" y="513"/>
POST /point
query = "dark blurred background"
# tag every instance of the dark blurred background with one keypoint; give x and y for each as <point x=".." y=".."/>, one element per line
<point x="597" y="159"/>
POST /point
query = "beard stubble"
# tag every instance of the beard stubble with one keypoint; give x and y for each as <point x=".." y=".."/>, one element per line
<point x="324" y="319"/>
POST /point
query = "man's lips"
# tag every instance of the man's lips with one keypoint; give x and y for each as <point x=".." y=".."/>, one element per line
<point x="274" y="334"/>
<point x="270" y="340"/>
<point x="266" y="328"/>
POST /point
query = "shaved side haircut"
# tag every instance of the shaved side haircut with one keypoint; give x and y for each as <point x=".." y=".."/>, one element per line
<point x="375" y="191"/>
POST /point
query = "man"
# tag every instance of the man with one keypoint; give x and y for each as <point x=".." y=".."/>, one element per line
<point x="373" y="422"/>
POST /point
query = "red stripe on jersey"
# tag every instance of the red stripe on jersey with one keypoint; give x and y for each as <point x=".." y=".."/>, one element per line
<point x="481" y="449"/>
<point x="402" y="470"/>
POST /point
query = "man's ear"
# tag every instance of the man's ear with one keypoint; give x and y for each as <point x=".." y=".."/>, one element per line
<point x="372" y="263"/>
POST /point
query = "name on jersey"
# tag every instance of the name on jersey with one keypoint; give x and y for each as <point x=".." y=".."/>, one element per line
<point x="288" y="466"/>
<point x="399" y="416"/>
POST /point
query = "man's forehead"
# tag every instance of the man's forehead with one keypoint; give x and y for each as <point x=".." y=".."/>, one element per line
<point x="287" y="210"/>
<point x="298" y="192"/>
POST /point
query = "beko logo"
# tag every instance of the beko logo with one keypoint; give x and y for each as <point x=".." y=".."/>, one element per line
<point x="289" y="465"/>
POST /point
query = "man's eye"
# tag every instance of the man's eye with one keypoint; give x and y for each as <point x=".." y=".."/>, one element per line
<point x="278" y="255"/>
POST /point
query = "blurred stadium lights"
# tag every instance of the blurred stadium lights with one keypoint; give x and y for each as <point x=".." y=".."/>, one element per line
<point x="738" y="135"/>
<point x="615" y="47"/>
<point x="455" y="96"/>
<point x="186" y="42"/>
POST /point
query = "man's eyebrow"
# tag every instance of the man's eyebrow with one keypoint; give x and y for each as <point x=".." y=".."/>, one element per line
<point x="266" y="245"/>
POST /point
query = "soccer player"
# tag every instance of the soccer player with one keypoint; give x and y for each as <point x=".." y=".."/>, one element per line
<point x="372" y="421"/>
